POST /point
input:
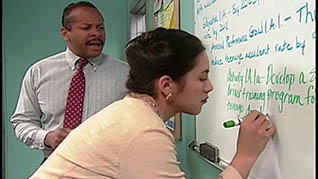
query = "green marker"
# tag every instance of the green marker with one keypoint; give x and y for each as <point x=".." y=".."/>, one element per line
<point x="236" y="122"/>
<point x="232" y="122"/>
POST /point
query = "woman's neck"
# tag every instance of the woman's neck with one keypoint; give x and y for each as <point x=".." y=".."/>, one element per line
<point x="166" y="109"/>
<point x="159" y="105"/>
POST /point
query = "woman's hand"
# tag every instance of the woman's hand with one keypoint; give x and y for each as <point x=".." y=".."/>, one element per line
<point x="255" y="131"/>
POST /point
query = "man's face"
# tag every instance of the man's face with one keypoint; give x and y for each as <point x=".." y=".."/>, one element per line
<point x="86" y="36"/>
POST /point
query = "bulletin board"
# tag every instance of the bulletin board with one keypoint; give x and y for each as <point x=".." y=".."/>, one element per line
<point x="166" y="14"/>
<point x="262" y="56"/>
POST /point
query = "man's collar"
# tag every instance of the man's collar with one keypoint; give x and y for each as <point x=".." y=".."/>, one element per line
<point x="72" y="58"/>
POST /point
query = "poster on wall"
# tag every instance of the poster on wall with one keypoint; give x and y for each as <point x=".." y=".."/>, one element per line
<point x="166" y="14"/>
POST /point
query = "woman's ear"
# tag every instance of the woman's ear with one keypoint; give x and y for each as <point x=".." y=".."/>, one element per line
<point x="166" y="85"/>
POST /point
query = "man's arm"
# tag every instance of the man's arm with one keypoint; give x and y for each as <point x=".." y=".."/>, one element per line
<point x="26" y="120"/>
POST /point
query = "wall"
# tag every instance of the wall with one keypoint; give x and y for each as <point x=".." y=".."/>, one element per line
<point x="37" y="22"/>
<point x="31" y="32"/>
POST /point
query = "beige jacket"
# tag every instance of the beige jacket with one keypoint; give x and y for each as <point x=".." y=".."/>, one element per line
<point x="126" y="140"/>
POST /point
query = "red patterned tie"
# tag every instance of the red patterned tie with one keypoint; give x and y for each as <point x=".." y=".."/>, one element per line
<point x="75" y="98"/>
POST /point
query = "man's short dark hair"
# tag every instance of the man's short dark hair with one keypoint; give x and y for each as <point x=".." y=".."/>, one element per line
<point x="66" y="20"/>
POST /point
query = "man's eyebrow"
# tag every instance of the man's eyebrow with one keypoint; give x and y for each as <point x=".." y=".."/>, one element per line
<point x="88" y="23"/>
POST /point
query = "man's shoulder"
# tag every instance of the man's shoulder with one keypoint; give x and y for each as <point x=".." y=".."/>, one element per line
<point x="59" y="55"/>
<point x="114" y="61"/>
<point x="52" y="58"/>
<point x="47" y="63"/>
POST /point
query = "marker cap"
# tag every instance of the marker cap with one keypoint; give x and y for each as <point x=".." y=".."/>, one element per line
<point x="228" y="124"/>
<point x="232" y="123"/>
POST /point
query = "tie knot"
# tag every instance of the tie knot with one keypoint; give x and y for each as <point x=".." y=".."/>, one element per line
<point x="81" y="62"/>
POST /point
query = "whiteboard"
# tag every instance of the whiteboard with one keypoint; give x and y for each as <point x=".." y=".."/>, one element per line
<point x="262" y="56"/>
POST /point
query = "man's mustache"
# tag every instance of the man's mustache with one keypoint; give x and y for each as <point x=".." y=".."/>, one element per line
<point x="94" y="40"/>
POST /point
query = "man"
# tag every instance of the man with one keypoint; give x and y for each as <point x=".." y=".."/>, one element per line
<point x="40" y="115"/>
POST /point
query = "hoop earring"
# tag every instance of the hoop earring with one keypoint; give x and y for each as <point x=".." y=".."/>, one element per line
<point x="169" y="97"/>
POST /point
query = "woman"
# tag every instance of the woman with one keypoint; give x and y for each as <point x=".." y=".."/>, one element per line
<point x="128" y="139"/>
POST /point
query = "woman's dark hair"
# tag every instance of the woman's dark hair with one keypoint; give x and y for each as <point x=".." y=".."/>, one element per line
<point x="160" y="52"/>
<point x="66" y="20"/>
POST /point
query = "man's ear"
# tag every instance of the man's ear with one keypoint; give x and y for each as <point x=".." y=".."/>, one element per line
<point x="64" y="33"/>
<point x="166" y="85"/>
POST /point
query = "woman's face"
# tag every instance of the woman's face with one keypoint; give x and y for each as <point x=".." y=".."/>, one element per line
<point x="193" y="93"/>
